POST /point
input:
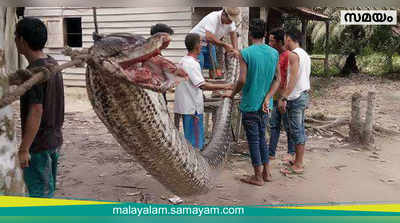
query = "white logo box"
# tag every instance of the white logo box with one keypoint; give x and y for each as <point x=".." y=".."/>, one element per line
<point x="368" y="17"/>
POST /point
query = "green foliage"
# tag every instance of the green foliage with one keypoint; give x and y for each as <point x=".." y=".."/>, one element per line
<point x="364" y="41"/>
<point x="317" y="69"/>
<point x="371" y="63"/>
<point x="383" y="40"/>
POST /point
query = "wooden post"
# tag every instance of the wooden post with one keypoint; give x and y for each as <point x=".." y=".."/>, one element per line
<point x="326" y="60"/>
<point x="355" y="123"/>
<point x="264" y="16"/>
<point x="243" y="43"/>
<point x="11" y="180"/>
<point x="206" y="124"/>
<point x="238" y="124"/>
<point x="367" y="137"/>
<point x="304" y="23"/>
<point x="177" y="120"/>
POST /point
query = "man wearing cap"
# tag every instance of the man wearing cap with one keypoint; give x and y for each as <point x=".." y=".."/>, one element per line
<point x="211" y="30"/>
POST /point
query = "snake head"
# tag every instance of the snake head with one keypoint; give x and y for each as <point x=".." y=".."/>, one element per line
<point x="138" y="60"/>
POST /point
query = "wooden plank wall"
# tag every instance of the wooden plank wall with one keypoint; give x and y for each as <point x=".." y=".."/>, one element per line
<point x="133" y="20"/>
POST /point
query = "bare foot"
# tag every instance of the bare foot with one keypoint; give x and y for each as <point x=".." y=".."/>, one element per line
<point x="267" y="177"/>
<point x="252" y="180"/>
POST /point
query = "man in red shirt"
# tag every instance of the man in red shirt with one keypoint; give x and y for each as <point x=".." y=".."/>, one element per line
<point x="276" y="40"/>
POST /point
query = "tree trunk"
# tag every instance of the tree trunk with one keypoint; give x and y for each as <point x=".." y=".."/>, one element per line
<point x="367" y="137"/>
<point x="355" y="124"/>
<point x="11" y="181"/>
<point x="389" y="63"/>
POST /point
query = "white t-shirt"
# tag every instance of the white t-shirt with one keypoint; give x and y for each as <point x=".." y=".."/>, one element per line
<point x="213" y="24"/>
<point x="303" y="84"/>
<point x="188" y="95"/>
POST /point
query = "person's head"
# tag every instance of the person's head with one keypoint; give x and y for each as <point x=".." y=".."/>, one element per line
<point x="192" y="43"/>
<point x="277" y="38"/>
<point x="293" y="38"/>
<point x="161" y="28"/>
<point x="230" y="15"/>
<point x="30" y="35"/>
<point x="257" y="29"/>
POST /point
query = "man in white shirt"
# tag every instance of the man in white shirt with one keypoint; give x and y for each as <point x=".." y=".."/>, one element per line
<point x="189" y="95"/>
<point x="295" y="97"/>
<point x="211" y="29"/>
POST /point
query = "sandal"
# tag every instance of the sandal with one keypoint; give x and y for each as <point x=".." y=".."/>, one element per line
<point x="290" y="170"/>
<point x="288" y="163"/>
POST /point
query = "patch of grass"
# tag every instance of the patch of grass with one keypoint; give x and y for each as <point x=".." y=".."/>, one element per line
<point x="317" y="69"/>
<point x="373" y="64"/>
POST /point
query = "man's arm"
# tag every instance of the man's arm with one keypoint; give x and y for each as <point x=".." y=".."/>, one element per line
<point x="294" y="77"/>
<point x="273" y="89"/>
<point x="294" y="74"/>
<point x="242" y="77"/>
<point x="234" y="39"/>
<point x="31" y="128"/>
<point x="213" y="39"/>
<point x="213" y="86"/>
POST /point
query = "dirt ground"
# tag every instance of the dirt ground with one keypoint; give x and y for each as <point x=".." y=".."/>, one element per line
<point x="94" y="166"/>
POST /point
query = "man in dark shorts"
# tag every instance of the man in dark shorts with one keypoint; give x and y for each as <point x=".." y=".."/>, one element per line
<point x="42" y="113"/>
<point x="162" y="28"/>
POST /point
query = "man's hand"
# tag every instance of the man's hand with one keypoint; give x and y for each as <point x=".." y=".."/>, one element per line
<point x="234" y="52"/>
<point x="266" y="105"/>
<point x="282" y="106"/>
<point x="227" y="94"/>
<point x="228" y="47"/>
<point x="229" y="86"/>
<point x="24" y="157"/>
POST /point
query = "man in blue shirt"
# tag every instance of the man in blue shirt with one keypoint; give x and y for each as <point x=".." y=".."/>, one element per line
<point x="259" y="79"/>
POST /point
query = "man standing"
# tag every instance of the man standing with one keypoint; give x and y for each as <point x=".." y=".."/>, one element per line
<point x="211" y="30"/>
<point x="258" y="69"/>
<point x="295" y="97"/>
<point x="162" y="28"/>
<point x="276" y="40"/>
<point x="42" y="113"/>
<point x="189" y="95"/>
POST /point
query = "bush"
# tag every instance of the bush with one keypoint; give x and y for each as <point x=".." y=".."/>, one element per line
<point x="317" y="68"/>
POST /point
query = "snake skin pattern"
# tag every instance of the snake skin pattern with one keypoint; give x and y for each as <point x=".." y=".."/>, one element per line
<point x="138" y="119"/>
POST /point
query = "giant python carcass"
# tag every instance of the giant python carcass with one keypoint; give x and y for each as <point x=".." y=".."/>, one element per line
<point x="124" y="76"/>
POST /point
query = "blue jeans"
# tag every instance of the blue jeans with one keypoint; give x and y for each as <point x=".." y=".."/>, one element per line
<point x="296" y="114"/>
<point x="275" y="126"/>
<point x="193" y="129"/>
<point x="40" y="175"/>
<point x="255" y="124"/>
<point x="204" y="57"/>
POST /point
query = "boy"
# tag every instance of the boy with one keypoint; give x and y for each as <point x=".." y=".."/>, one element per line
<point x="42" y="113"/>
<point x="189" y="94"/>
<point x="162" y="28"/>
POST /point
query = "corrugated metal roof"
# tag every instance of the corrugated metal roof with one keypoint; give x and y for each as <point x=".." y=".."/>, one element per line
<point x="304" y="13"/>
<point x="313" y="13"/>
